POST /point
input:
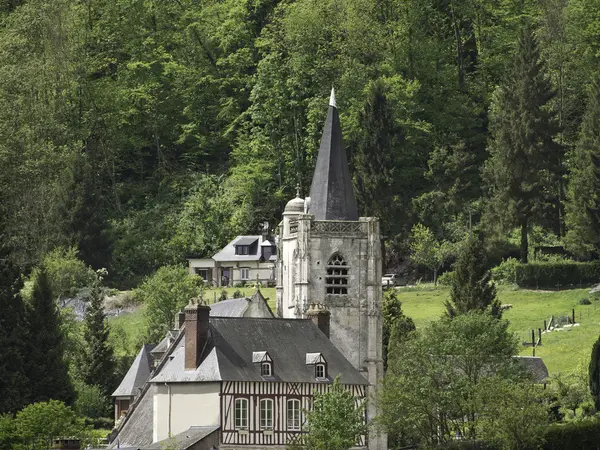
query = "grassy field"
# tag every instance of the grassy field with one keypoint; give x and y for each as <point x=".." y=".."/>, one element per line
<point x="563" y="351"/>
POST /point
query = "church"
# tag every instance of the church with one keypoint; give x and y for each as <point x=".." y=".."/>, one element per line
<point x="236" y="377"/>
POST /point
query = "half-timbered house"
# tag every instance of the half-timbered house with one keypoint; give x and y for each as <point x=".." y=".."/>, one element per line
<point x="243" y="381"/>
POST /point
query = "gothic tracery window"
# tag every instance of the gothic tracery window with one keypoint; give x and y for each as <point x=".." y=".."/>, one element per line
<point x="336" y="281"/>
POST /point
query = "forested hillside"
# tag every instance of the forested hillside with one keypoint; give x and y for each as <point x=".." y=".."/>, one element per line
<point x="141" y="131"/>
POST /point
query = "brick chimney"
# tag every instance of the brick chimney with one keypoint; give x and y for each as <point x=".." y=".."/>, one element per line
<point x="320" y="316"/>
<point x="196" y="333"/>
<point x="179" y="320"/>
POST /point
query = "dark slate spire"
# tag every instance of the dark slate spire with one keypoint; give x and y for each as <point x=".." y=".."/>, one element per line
<point x="331" y="193"/>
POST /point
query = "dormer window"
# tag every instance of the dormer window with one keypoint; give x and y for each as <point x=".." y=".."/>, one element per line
<point x="266" y="369"/>
<point x="320" y="371"/>
<point x="264" y="362"/>
<point x="242" y="249"/>
<point x="317" y="360"/>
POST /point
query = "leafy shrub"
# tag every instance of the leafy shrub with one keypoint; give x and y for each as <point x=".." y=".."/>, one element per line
<point x="223" y="295"/>
<point x="584" y="434"/>
<point x="91" y="402"/>
<point x="446" y="278"/>
<point x="241" y="284"/>
<point x="585" y="301"/>
<point x="506" y="271"/>
<point x="553" y="275"/>
<point x="238" y="294"/>
<point x="163" y="294"/>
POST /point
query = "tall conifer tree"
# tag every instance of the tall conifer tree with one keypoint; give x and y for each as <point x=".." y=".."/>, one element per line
<point x="14" y="385"/>
<point x="594" y="374"/>
<point x="525" y="162"/>
<point x="99" y="362"/>
<point x="46" y="366"/>
<point x="472" y="286"/>
<point x="583" y="195"/>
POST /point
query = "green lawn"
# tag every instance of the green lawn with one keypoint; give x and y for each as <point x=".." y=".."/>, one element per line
<point x="563" y="351"/>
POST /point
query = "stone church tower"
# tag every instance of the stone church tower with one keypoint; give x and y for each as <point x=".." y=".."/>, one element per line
<point x="330" y="256"/>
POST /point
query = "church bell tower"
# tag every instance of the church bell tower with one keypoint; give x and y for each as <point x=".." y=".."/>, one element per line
<point x="329" y="255"/>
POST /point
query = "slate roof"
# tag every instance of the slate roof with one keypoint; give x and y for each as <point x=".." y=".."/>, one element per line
<point x="137" y="374"/>
<point x="227" y="253"/>
<point x="164" y="344"/>
<point x="331" y="192"/>
<point x="185" y="439"/>
<point x="535" y="366"/>
<point x="228" y="356"/>
<point x="136" y="430"/>
<point x="233" y="307"/>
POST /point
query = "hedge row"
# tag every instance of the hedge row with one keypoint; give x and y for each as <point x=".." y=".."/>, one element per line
<point x="584" y="435"/>
<point x="557" y="274"/>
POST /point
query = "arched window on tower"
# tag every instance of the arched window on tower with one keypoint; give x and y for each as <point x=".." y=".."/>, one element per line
<point x="336" y="281"/>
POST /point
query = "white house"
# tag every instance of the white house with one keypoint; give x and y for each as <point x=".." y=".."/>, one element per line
<point x="245" y="258"/>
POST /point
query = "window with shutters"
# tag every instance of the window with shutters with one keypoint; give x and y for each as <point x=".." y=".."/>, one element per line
<point x="336" y="281"/>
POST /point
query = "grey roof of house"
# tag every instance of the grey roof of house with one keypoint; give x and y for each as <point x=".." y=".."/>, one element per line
<point x="228" y="355"/>
<point x="136" y="430"/>
<point x="137" y="374"/>
<point x="227" y="253"/>
<point x="185" y="439"/>
<point x="164" y="344"/>
<point x="535" y="366"/>
<point x="232" y="307"/>
<point x="331" y="192"/>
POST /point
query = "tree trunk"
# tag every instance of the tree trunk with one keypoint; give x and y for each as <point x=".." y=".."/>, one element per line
<point x="524" y="242"/>
<point x="435" y="271"/>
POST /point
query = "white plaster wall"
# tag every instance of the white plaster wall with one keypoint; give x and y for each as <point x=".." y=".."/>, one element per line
<point x="192" y="404"/>
<point x="200" y="263"/>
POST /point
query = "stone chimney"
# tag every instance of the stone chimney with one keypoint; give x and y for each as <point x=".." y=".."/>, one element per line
<point x="196" y="332"/>
<point x="179" y="320"/>
<point x="320" y="316"/>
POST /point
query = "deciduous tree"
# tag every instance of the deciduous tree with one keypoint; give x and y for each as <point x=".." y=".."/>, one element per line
<point x="335" y="421"/>
<point x="427" y="250"/>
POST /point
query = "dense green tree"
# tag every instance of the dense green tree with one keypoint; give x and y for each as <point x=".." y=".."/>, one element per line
<point x="46" y="366"/>
<point x="388" y="165"/>
<point x="163" y="294"/>
<point x="14" y="389"/>
<point x="98" y="362"/>
<point x="432" y="384"/>
<point x="472" y="286"/>
<point x="583" y="197"/>
<point x="427" y="250"/>
<point x="525" y="161"/>
<point x="38" y="424"/>
<point x="594" y="374"/>
<point x="396" y="325"/>
<point x="335" y="422"/>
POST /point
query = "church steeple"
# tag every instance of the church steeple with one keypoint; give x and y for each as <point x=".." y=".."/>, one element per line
<point x="331" y="192"/>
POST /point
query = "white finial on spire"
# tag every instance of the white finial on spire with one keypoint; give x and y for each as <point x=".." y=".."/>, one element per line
<point x="332" y="98"/>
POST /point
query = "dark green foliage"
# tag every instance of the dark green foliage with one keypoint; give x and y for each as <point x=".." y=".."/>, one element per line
<point x="583" y="194"/>
<point x="14" y="388"/>
<point x="472" y="285"/>
<point x="396" y="325"/>
<point x="238" y="294"/>
<point x="98" y="364"/>
<point x="525" y="162"/>
<point x="46" y="366"/>
<point x="582" y="435"/>
<point x="594" y="374"/>
<point x="552" y="275"/>
<point x="335" y="421"/>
